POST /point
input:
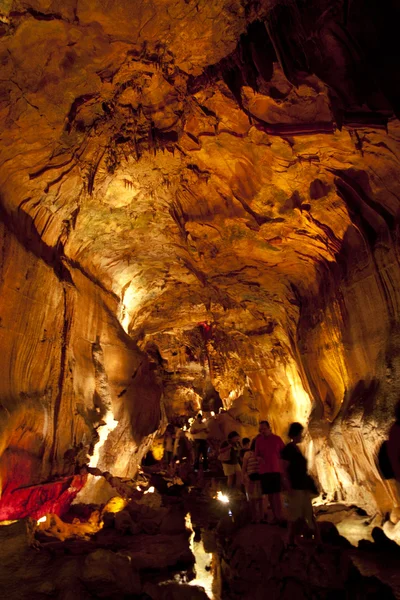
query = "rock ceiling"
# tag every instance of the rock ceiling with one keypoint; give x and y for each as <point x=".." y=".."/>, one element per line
<point x="219" y="181"/>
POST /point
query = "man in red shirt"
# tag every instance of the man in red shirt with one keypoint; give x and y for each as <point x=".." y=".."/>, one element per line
<point x="268" y="449"/>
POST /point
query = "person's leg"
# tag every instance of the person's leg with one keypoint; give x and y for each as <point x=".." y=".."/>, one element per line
<point x="297" y="508"/>
<point x="291" y="514"/>
<point x="264" y="484"/>
<point x="265" y="506"/>
<point x="276" y="505"/>
<point x="258" y="501"/>
<point x="229" y="472"/>
<point x="253" y="510"/>
<point x="259" y="509"/>
<point x="238" y="476"/>
<point x="308" y="514"/>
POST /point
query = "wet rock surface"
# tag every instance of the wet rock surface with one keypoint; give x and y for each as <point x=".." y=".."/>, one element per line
<point x="110" y="575"/>
<point x="256" y="559"/>
<point x="242" y="560"/>
<point x="196" y="198"/>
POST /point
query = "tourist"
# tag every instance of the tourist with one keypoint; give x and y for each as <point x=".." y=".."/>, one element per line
<point x="268" y="449"/>
<point x="199" y="433"/>
<point x="245" y="448"/>
<point x="229" y="456"/>
<point x="393" y="448"/>
<point x="299" y="485"/>
<point x="251" y="480"/>
<point x="183" y="446"/>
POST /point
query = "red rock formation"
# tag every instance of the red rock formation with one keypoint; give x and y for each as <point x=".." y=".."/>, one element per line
<point x="227" y="163"/>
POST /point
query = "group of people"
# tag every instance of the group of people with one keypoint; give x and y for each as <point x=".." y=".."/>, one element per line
<point x="179" y="447"/>
<point x="266" y="468"/>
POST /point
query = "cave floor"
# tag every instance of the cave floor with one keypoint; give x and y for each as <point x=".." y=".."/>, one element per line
<point x="353" y="525"/>
<point x="192" y="541"/>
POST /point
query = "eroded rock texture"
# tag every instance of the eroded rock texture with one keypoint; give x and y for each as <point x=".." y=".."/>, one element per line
<point x="199" y="200"/>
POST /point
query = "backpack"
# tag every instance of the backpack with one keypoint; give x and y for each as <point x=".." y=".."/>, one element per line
<point x="384" y="463"/>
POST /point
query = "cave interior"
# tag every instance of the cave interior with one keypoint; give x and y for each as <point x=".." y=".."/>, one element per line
<point x="199" y="209"/>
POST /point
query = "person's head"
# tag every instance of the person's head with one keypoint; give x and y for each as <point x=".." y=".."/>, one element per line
<point x="296" y="432"/>
<point x="246" y="442"/>
<point x="199" y="418"/>
<point x="233" y="437"/>
<point x="264" y="428"/>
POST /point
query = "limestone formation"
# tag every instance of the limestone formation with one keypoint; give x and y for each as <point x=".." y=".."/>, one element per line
<point x="199" y="202"/>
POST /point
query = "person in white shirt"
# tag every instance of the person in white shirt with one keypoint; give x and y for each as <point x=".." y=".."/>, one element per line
<point x="199" y="433"/>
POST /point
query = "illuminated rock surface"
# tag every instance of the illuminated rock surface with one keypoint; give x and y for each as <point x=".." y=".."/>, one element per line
<point x="197" y="199"/>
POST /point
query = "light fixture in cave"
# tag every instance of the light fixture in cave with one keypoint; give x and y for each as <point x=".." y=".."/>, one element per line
<point x="222" y="497"/>
<point x="42" y="519"/>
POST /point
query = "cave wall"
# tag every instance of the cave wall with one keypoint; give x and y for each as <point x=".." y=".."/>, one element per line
<point x="348" y="340"/>
<point x="67" y="365"/>
<point x="228" y="164"/>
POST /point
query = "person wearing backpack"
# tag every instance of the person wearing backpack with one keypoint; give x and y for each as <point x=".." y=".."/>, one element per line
<point x="300" y="486"/>
<point x="229" y="456"/>
<point x="252" y="484"/>
<point x="393" y="448"/>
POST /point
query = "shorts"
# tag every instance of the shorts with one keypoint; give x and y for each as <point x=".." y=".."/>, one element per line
<point x="299" y="506"/>
<point x="271" y="483"/>
<point x="231" y="469"/>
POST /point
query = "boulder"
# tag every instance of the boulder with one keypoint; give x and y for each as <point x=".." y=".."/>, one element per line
<point x="110" y="575"/>
<point x="173" y="522"/>
<point x="16" y="540"/>
<point x="108" y="520"/>
<point x="159" y="551"/>
<point x="46" y="588"/>
<point x="330" y="535"/>
<point x="175" y="591"/>
<point x="124" y="524"/>
<point x="76" y="591"/>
